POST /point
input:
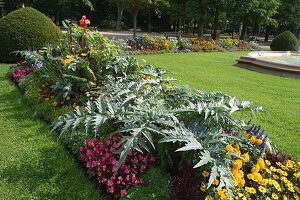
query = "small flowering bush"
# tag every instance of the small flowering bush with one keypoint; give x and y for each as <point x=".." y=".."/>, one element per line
<point x="101" y="159"/>
<point x="21" y="71"/>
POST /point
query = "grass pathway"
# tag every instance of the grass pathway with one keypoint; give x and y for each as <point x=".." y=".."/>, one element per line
<point x="280" y="97"/>
<point x="33" y="164"/>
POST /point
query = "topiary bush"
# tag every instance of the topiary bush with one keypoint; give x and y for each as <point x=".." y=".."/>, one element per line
<point x="285" y="41"/>
<point x="26" y="28"/>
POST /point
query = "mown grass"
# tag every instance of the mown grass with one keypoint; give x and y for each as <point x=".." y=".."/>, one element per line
<point x="33" y="164"/>
<point x="280" y="97"/>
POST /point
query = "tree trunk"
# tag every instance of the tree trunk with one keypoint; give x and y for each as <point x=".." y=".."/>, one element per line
<point x="256" y="28"/>
<point x="267" y="33"/>
<point x="244" y="31"/>
<point x="200" y="28"/>
<point x="135" y="14"/>
<point x="149" y="22"/>
<point x="216" y="24"/>
<point x="120" y="16"/>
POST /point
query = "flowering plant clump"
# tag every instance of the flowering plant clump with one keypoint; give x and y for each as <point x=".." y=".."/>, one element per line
<point x="102" y="161"/>
<point x="20" y="72"/>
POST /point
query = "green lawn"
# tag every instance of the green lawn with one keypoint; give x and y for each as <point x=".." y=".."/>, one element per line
<point x="280" y="97"/>
<point x="33" y="164"/>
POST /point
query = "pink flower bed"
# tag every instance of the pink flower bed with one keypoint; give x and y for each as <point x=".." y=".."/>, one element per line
<point x="101" y="160"/>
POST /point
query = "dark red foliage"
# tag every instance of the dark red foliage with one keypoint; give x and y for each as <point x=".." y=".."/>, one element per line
<point x="186" y="184"/>
<point x="277" y="157"/>
<point x="102" y="161"/>
<point x="20" y="72"/>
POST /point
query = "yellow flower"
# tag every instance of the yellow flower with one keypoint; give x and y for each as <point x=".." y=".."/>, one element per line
<point x="268" y="198"/>
<point x="257" y="177"/>
<point x="285" y="197"/>
<point x="275" y="196"/>
<point x="229" y="148"/>
<point x="261" y="163"/>
<point x="203" y="188"/>
<point x="107" y="85"/>
<point x="290" y="164"/>
<point x="259" y="141"/>
<point x="74" y="105"/>
<point x="67" y="61"/>
<point x="246" y="157"/>
<point x="250" y="190"/>
<point x="253" y="139"/>
<point x="205" y="173"/>
<point x="216" y="182"/>
<point x="237" y="164"/>
<point x="250" y="176"/>
<point x="208" y="198"/>
<point x="246" y="135"/>
<point x="255" y="168"/>
<point x="262" y="189"/>
<point x="46" y="99"/>
<point x="55" y="104"/>
<point x="68" y="98"/>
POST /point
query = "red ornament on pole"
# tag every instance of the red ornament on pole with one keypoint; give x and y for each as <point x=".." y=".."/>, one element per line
<point x="84" y="22"/>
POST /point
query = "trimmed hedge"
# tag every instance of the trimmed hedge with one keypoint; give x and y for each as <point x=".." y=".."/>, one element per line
<point x="285" y="41"/>
<point x="26" y="28"/>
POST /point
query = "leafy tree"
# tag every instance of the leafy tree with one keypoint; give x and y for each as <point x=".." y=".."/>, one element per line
<point x="198" y="10"/>
<point x="121" y="4"/>
<point x="134" y="6"/>
<point x="155" y="6"/>
<point x="288" y="15"/>
<point x="216" y="9"/>
<point x="1" y="8"/>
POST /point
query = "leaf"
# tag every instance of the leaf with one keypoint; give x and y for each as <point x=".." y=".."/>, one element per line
<point x="191" y="145"/>
<point x="204" y="159"/>
<point x="213" y="175"/>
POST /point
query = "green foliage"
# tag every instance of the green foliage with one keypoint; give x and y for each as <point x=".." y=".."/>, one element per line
<point x="148" y="111"/>
<point x="156" y="186"/>
<point x="26" y="28"/>
<point x="286" y="41"/>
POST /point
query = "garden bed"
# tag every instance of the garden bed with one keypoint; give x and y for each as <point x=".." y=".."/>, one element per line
<point x="120" y="118"/>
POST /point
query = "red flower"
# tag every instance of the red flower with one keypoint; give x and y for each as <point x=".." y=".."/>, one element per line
<point x="84" y="22"/>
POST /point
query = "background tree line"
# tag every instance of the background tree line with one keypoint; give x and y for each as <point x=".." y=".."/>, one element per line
<point x="244" y="17"/>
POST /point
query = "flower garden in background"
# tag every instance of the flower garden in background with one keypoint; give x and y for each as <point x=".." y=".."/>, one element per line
<point x="129" y="125"/>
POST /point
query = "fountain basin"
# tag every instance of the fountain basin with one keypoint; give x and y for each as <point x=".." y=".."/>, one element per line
<point x="281" y="63"/>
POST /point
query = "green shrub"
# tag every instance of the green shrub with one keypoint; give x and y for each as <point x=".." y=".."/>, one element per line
<point x="286" y="41"/>
<point x="156" y="186"/>
<point x="26" y="28"/>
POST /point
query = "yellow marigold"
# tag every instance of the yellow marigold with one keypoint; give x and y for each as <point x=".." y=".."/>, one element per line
<point x="237" y="164"/>
<point x="290" y="164"/>
<point x="296" y="197"/>
<point x="246" y="135"/>
<point x="253" y="139"/>
<point x="203" y="187"/>
<point x="250" y="176"/>
<point x="257" y="177"/>
<point x="259" y="141"/>
<point x="205" y="173"/>
<point x="246" y="157"/>
<point x="297" y="189"/>
<point x="216" y="182"/>
<point x="68" y="61"/>
<point x="255" y="168"/>
<point x="284" y="197"/>
<point x="268" y="198"/>
<point x="262" y="189"/>
<point x="229" y="148"/>
<point x="275" y="196"/>
<point x="275" y="176"/>
<point x="297" y="175"/>
<point x="68" y="98"/>
<point x="250" y="190"/>
<point x="261" y="163"/>
<point x="55" y="104"/>
<point x="208" y="198"/>
<point x="267" y="162"/>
